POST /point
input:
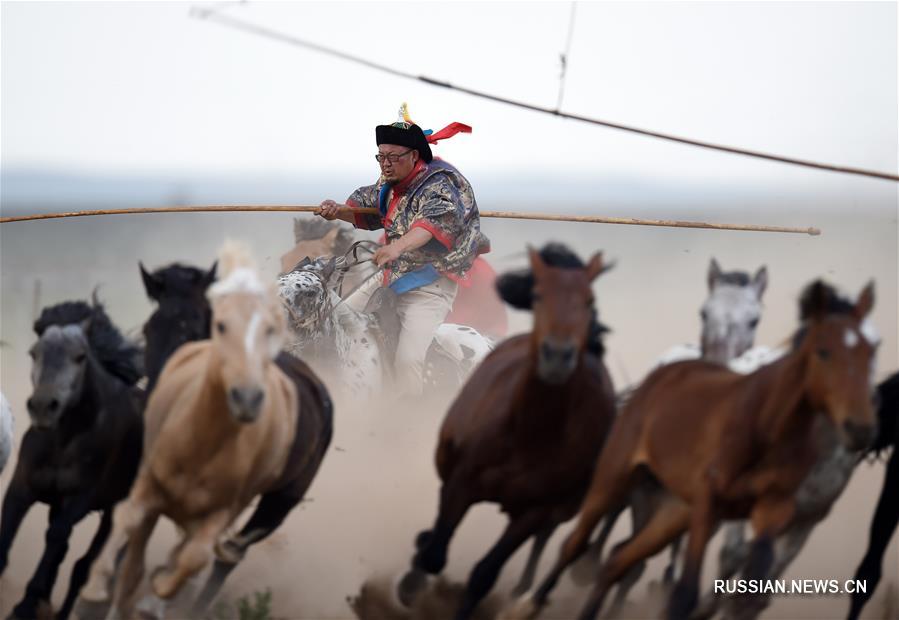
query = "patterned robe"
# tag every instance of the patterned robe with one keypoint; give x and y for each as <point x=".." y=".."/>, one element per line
<point x="437" y="198"/>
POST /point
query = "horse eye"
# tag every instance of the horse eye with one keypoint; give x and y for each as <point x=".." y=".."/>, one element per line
<point x="823" y="354"/>
<point x="79" y="359"/>
<point x="754" y="323"/>
<point x="220" y="327"/>
<point x="703" y="314"/>
<point x="270" y="331"/>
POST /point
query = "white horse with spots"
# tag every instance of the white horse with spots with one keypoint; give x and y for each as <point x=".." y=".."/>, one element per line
<point x="7" y="432"/>
<point x="348" y="346"/>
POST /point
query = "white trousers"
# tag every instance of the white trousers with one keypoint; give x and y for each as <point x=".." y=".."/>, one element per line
<point x="421" y="311"/>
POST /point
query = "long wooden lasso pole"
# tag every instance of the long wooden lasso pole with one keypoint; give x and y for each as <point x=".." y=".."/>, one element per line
<point x="518" y="215"/>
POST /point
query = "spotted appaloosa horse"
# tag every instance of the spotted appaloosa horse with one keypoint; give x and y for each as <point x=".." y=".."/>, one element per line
<point x="227" y="421"/>
<point x="750" y="448"/>
<point x="84" y="444"/>
<point x="351" y="346"/>
<point x="524" y="432"/>
<point x="476" y="305"/>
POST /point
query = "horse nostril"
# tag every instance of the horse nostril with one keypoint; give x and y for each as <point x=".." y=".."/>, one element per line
<point x="254" y="398"/>
<point x="30" y="404"/>
<point x="54" y="405"/>
<point x="236" y="395"/>
<point x="860" y="435"/>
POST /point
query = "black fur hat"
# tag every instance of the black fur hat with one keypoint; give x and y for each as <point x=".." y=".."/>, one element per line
<point x="405" y="134"/>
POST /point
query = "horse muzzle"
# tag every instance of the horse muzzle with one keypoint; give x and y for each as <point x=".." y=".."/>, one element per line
<point x="857" y="436"/>
<point x="245" y="403"/>
<point x="556" y="361"/>
<point x="44" y="410"/>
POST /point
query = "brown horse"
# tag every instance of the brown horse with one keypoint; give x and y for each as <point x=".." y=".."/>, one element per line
<point x="524" y="432"/>
<point x="221" y="426"/>
<point x="726" y="446"/>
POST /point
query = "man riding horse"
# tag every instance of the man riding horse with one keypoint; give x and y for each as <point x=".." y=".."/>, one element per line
<point x="433" y="236"/>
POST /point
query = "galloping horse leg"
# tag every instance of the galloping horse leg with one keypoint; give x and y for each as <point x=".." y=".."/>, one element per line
<point x="886" y="517"/>
<point x="530" y="569"/>
<point x="770" y="517"/>
<point x="192" y="557"/>
<point x="63" y="518"/>
<point x="270" y="513"/>
<point x="584" y="570"/>
<point x="486" y="572"/>
<point x="126" y="516"/>
<point x="702" y="525"/>
<point x="139" y="528"/>
<point x="83" y="565"/>
<point x="19" y="499"/>
<point x="668" y="575"/>
<point x="431" y="545"/>
<point x="669" y="521"/>
<point x="732" y="556"/>
<point x="607" y="492"/>
<point x="645" y="502"/>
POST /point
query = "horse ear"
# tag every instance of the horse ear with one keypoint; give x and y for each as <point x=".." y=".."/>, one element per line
<point x="714" y="273"/>
<point x="595" y="266"/>
<point x="760" y="281"/>
<point x="537" y="264"/>
<point x="209" y="276"/>
<point x="865" y="301"/>
<point x="152" y="284"/>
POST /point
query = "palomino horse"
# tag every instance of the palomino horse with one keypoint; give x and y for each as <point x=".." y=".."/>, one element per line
<point x="352" y="346"/>
<point x="730" y="316"/>
<point x="886" y="516"/>
<point x="225" y="424"/>
<point x="725" y="446"/>
<point x="524" y="431"/>
<point x="84" y="445"/>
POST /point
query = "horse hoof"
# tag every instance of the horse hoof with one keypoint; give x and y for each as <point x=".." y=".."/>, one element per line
<point x="411" y="584"/>
<point x="163" y="584"/>
<point x="521" y="609"/>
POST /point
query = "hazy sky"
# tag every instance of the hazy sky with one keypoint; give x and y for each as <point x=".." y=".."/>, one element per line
<point x="143" y="87"/>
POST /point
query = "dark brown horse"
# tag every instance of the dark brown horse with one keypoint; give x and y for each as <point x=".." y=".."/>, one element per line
<point x="524" y="432"/>
<point x="726" y="446"/>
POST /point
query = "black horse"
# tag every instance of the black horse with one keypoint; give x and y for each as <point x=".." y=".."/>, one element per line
<point x="886" y="516"/>
<point x="83" y="448"/>
<point x="183" y="314"/>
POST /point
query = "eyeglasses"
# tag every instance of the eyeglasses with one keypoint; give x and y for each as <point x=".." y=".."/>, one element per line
<point x="391" y="157"/>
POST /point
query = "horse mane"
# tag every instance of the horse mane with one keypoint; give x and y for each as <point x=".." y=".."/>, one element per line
<point x="118" y="356"/>
<point x="887" y="415"/>
<point x="819" y="299"/>
<point x="516" y="287"/>
<point x="239" y="273"/>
